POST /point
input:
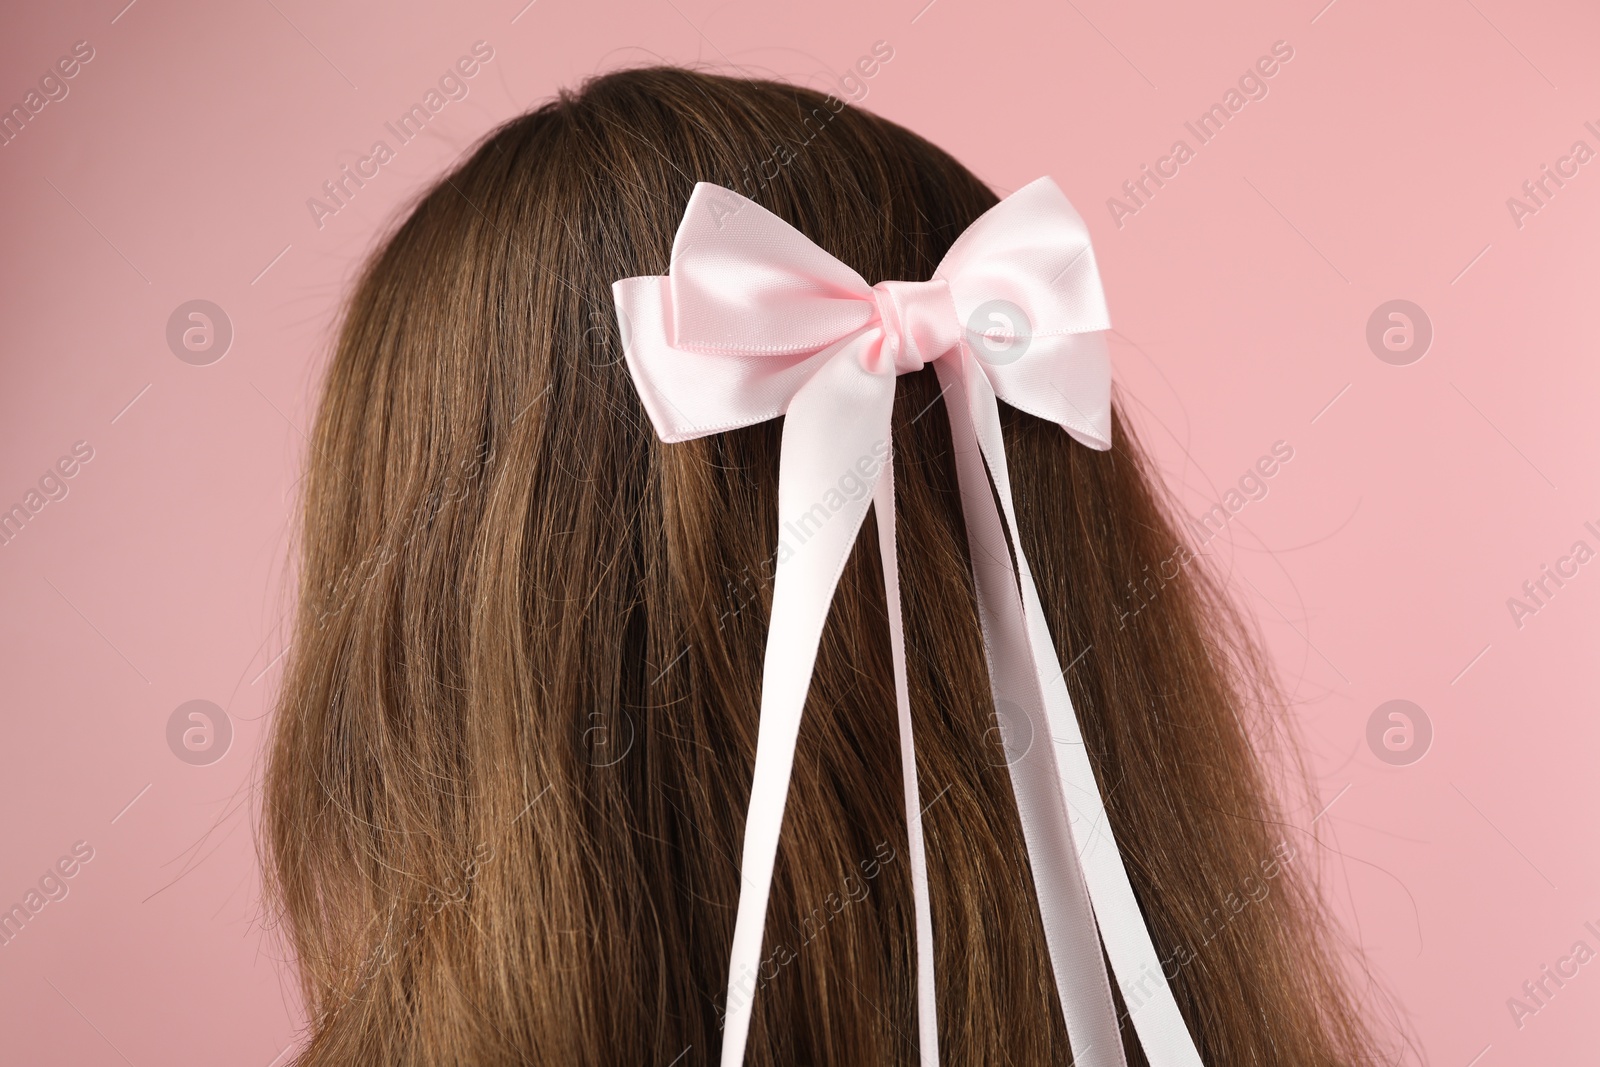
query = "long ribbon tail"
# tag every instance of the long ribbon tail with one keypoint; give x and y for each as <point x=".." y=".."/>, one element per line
<point x="927" y="1001"/>
<point x="1082" y="984"/>
<point x="1156" y="1019"/>
<point x="836" y="430"/>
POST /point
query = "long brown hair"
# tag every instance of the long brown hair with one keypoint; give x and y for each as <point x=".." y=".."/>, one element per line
<point x="507" y="783"/>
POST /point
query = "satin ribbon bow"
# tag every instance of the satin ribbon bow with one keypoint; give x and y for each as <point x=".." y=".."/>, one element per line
<point x="754" y="321"/>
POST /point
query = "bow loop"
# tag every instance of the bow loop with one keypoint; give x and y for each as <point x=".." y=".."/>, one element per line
<point x="1027" y="291"/>
<point x="745" y="282"/>
<point x="1031" y="250"/>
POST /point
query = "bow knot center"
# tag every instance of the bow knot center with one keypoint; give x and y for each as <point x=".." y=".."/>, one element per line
<point x="919" y="325"/>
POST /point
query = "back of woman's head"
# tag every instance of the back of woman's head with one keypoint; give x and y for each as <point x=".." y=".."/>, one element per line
<point x="508" y="780"/>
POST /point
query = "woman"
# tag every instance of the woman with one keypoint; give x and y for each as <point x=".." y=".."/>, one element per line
<point x="507" y="791"/>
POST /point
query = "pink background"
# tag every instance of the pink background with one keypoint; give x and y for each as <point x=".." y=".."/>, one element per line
<point x="1419" y="498"/>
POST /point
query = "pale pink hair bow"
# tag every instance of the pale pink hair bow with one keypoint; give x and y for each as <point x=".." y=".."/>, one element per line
<point x="754" y="321"/>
